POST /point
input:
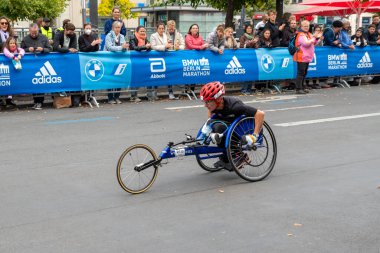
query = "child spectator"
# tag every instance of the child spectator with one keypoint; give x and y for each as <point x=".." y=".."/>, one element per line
<point x="358" y="39"/>
<point x="12" y="51"/>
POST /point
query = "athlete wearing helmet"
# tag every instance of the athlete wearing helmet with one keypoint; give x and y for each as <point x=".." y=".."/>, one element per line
<point x="227" y="109"/>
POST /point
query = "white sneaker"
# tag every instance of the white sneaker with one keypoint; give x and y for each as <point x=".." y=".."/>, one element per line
<point x="135" y="99"/>
<point x="37" y="106"/>
<point x="112" y="102"/>
<point x="172" y="97"/>
<point x="118" y="101"/>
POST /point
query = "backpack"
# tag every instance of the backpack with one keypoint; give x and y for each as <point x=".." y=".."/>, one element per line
<point x="292" y="45"/>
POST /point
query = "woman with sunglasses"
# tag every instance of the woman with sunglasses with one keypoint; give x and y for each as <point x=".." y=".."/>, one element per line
<point x="5" y="31"/>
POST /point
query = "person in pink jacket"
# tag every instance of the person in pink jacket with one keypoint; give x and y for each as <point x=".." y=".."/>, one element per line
<point x="15" y="53"/>
<point x="194" y="40"/>
<point x="305" y="42"/>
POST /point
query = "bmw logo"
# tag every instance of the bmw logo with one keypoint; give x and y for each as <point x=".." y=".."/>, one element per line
<point x="267" y="63"/>
<point x="94" y="70"/>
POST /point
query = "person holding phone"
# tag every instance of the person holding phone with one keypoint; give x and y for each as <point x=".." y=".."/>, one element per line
<point x="35" y="42"/>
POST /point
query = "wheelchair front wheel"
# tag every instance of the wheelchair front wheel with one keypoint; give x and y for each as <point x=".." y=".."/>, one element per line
<point x="256" y="163"/>
<point x="130" y="178"/>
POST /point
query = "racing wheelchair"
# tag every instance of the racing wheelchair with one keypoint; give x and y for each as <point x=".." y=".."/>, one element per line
<point x="137" y="166"/>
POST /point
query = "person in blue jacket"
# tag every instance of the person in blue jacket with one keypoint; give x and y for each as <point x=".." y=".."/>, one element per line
<point x="116" y="13"/>
<point x="344" y="37"/>
<point x="331" y="34"/>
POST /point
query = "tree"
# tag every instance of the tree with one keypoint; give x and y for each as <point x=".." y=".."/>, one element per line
<point x="33" y="9"/>
<point x="228" y="6"/>
<point x="105" y="8"/>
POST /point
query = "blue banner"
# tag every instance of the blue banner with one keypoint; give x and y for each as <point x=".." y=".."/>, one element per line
<point x="40" y="73"/>
<point x="345" y="62"/>
<point x="105" y="70"/>
<point x="48" y="73"/>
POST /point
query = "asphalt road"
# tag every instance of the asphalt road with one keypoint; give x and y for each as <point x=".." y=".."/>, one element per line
<point x="59" y="192"/>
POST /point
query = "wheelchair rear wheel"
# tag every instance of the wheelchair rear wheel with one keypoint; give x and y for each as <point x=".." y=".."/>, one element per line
<point x="256" y="163"/>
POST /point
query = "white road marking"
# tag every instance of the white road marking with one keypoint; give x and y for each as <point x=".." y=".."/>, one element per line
<point x="316" y="121"/>
<point x="293" y="108"/>
<point x="271" y="99"/>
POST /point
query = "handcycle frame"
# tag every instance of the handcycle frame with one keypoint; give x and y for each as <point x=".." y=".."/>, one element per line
<point x="201" y="146"/>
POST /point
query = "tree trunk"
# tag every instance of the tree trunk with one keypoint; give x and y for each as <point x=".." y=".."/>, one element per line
<point x="230" y="14"/>
<point x="279" y="8"/>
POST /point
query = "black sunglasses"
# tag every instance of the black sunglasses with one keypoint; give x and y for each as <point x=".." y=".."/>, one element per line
<point x="4" y="23"/>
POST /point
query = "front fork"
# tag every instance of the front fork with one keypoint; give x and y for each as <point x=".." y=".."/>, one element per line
<point x="141" y="167"/>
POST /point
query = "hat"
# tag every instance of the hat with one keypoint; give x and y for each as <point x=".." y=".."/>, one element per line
<point x="46" y="20"/>
<point x="337" y="24"/>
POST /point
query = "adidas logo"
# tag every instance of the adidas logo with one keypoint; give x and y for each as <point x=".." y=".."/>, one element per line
<point x="365" y="62"/>
<point x="234" y="67"/>
<point x="46" y="75"/>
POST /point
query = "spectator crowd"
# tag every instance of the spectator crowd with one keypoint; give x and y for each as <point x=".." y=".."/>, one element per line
<point x="271" y="32"/>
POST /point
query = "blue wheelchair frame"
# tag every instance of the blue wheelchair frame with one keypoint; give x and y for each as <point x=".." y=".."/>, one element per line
<point x="232" y="147"/>
<point x="202" y="144"/>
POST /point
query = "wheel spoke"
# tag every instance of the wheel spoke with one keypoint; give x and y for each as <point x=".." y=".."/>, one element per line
<point x="131" y="180"/>
<point x="261" y="160"/>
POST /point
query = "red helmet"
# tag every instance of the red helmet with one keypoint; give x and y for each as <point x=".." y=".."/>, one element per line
<point x="212" y="91"/>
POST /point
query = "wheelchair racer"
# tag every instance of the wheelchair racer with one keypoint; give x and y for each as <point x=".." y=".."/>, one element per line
<point x="227" y="109"/>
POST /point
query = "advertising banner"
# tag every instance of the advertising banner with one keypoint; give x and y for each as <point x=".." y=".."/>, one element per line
<point x="105" y="70"/>
<point x="40" y="73"/>
<point x="49" y="73"/>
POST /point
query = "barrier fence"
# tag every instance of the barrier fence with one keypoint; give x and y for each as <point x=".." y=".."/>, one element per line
<point x="54" y="72"/>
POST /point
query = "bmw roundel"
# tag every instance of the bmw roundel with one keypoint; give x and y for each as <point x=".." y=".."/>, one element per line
<point x="267" y="63"/>
<point x="94" y="70"/>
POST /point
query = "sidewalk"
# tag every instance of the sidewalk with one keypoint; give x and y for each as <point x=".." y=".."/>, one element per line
<point x="26" y="101"/>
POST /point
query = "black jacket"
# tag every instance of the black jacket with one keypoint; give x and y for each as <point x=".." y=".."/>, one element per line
<point x="372" y="38"/>
<point x="134" y="42"/>
<point x="39" y="41"/>
<point x="275" y="33"/>
<point x="58" y="43"/>
<point x="287" y="34"/>
<point x="85" y="41"/>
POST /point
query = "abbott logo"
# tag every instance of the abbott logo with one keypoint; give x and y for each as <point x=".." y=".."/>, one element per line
<point x="234" y="67"/>
<point x="47" y="75"/>
<point x="314" y="62"/>
<point x="365" y="62"/>
<point x="157" y="65"/>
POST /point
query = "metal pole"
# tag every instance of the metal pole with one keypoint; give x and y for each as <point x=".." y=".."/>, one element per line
<point x="94" y="13"/>
<point x="242" y="17"/>
<point x="83" y="12"/>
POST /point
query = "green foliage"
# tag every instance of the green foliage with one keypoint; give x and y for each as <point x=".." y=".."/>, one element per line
<point x="105" y="8"/>
<point x="33" y="9"/>
<point x="228" y="6"/>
